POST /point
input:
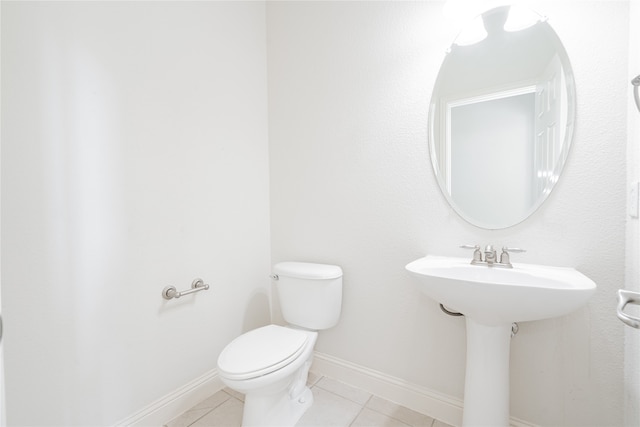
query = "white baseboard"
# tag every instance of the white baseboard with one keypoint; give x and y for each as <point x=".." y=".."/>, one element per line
<point x="437" y="405"/>
<point x="421" y="399"/>
<point x="175" y="403"/>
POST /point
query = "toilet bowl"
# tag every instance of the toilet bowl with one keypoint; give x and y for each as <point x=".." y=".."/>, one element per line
<point x="270" y="365"/>
<point x="272" y="378"/>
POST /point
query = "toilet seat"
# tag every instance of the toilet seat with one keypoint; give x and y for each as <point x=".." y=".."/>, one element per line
<point x="260" y="352"/>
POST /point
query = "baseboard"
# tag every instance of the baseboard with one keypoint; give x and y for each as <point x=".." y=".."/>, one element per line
<point x="175" y="403"/>
<point x="421" y="399"/>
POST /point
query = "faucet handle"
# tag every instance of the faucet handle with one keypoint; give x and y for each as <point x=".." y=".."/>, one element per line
<point x="477" y="254"/>
<point x="504" y="256"/>
<point x="470" y="246"/>
<point x="506" y="249"/>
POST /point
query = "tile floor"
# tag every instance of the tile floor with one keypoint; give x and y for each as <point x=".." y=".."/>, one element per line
<point x="335" y="404"/>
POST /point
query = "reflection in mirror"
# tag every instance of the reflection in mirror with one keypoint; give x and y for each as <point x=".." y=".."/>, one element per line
<point x="501" y="117"/>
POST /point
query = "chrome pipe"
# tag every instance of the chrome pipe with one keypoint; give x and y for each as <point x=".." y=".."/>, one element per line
<point x="449" y="312"/>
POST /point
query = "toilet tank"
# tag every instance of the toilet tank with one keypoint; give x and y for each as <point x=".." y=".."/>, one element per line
<point x="310" y="294"/>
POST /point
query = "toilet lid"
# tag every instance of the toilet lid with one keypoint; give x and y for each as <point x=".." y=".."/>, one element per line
<point x="261" y="351"/>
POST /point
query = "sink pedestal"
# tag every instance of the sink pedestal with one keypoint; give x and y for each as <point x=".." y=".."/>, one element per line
<point x="486" y="389"/>
<point x="497" y="297"/>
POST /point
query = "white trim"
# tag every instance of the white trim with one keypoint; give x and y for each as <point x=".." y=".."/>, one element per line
<point x="168" y="407"/>
<point x="491" y="96"/>
<point x="437" y="405"/>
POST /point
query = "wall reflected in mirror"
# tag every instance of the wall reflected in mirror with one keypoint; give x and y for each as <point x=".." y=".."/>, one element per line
<point x="501" y="117"/>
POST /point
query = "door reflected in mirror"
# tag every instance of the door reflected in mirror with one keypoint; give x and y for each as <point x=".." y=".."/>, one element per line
<point x="501" y="117"/>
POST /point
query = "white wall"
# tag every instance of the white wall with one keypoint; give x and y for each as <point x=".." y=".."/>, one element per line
<point x="351" y="184"/>
<point x="3" y="412"/>
<point x="134" y="156"/>
<point x="632" y="279"/>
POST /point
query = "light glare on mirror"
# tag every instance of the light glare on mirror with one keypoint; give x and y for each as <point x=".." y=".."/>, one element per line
<point x="520" y="18"/>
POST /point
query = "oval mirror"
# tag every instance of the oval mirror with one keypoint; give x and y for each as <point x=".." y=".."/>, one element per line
<point x="501" y="117"/>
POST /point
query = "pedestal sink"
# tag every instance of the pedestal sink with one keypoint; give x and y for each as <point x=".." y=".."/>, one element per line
<point x="492" y="298"/>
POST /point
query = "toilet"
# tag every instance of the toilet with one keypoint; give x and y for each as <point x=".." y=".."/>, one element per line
<point x="270" y="364"/>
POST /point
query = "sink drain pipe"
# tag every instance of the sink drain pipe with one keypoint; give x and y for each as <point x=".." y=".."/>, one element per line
<point x="514" y="326"/>
<point x="449" y="312"/>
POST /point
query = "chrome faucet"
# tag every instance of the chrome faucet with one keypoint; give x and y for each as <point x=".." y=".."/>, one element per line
<point x="491" y="256"/>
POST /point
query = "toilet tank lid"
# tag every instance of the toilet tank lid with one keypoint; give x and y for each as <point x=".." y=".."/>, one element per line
<point x="307" y="270"/>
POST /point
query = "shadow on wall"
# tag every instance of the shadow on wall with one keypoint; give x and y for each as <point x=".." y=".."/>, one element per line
<point x="257" y="313"/>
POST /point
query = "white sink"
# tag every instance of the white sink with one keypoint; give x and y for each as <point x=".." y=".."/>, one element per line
<point x="496" y="295"/>
<point x="492" y="298"/>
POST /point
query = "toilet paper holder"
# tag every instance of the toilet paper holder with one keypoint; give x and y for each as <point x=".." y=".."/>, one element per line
<point x="624" y="298"/>
<point x="197" y="285"/>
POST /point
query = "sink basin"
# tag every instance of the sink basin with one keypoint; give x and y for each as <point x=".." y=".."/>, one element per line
<point x="496" y="295"/>
<point x="492" y="298"/>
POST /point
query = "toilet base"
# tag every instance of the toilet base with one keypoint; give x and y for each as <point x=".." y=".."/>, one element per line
<point x="280" y="398"/>
<point x="275" y="410"/>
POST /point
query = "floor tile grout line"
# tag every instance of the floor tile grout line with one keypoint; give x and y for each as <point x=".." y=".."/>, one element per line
<point x="431" y="424"/>
<point x="212" y="409"/>
<point x="313" y="385"/>
<point x="362" y="406"/>
<point x="339" y="395"/>
<point x="397" y="419"/>
<point x="356" y="417"/>
<point x="203" y="415"/>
